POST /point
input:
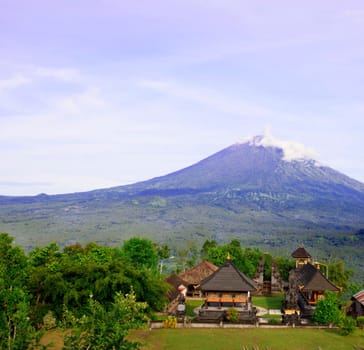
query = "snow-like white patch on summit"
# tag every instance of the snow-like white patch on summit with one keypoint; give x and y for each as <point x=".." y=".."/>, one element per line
<point x="291" y="150"/>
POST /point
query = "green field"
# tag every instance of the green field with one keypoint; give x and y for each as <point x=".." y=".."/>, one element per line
<point x="237" y="339"/>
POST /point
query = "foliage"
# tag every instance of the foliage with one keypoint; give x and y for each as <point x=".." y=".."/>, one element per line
<point x="360" y="322"/>
<point x="141" y="252"/>
<point x="103" y="327"/>
<point x="347" y="325"/>
<point x="284" y="266"/>
<point x="164" y="251"/>
<point x="339" y="275"/>
<point x="69" y="277"/>
<point x="170" y="322"/>
<point x="232" y="315"/>
<point x="327" y="309"/>
<point x="16" y="330"/>
<point x="187" y="257"/>
<point x="247" y="260"/>
<point x="206" y="247"/>
<point x="49" y="321"/>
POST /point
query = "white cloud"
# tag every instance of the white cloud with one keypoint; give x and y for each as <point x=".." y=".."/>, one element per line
<point x="62" y="74"/>
<point x="291" y="150"/>
<point x="13" y="83"/>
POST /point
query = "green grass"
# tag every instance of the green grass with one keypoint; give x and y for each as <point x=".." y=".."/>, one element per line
<point x="236" y="339"/>
<point x="272" y="302"/>
<point x="192" y="304"/>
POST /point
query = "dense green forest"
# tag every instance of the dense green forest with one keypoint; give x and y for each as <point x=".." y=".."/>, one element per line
<point x="89" y="286"/>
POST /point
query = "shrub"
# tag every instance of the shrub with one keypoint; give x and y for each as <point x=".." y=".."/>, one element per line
<point x="347" y="325"/>
<point x="360" y="322"/>
<point x="327" y="310"/>
<point x="170" y="322"/>
<point x="232" y="315"/>
<point x="49" y="320"/>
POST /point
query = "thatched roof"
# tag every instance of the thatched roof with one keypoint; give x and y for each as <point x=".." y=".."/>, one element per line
<point x="310" y="278"/>
<point x="199" y="272"/>
<point x="228" y="278"/>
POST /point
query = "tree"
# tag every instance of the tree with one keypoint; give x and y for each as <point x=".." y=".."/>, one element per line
<point x="16" y="330"/>
<point x="246" y="260"/>
<point x="141" y="252"/>
<point x="206" y="247"/>
<point x="105" y="328"/>
<point x="339" y="275"/>
<point x="284" y="266"/>
<point x="327" y="309"/>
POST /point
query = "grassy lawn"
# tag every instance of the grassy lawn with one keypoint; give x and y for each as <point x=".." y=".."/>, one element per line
<point x="272" y="302"/>
<point x="192" y="304"/>
<point x="236" y="339"/>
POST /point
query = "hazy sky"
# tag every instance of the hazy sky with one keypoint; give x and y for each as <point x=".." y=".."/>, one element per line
<point x="101" y="93"/>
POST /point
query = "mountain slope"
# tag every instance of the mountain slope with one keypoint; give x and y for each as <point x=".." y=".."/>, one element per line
<point x="254" y="191"/>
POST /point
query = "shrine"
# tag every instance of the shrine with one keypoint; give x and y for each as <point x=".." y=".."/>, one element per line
<point x="227" y="288"/>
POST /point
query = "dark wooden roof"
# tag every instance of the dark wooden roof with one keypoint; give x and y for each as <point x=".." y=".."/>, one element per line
<point x="228" y="278"/>
<point x="300" y="253"/>
<point x="199" y="272"/>
<point x="311" y="278"/>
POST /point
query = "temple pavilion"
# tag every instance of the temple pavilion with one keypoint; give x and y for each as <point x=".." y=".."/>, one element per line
<point x="226" y="288"/>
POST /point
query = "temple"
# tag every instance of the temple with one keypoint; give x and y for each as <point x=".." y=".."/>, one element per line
<point x="306" y="286"/>
<point x="227" y="288"/>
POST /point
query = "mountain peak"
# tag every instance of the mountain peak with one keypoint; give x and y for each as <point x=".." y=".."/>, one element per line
<point x="291" y="150"/>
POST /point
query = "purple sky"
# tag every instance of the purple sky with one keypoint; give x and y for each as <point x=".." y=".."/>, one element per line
<point x="101" y="93"/>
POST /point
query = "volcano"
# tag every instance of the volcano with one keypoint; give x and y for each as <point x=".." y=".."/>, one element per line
<point x="260" y="191"/>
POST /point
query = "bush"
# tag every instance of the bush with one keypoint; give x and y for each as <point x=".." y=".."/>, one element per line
<point x="327" y="310"/>
<point x="232" y="315"/>
<point x="347" y="325"/>
<point x="360" y="322"/>
<point x="170" y="322"/>
<point x="49" y="321"/>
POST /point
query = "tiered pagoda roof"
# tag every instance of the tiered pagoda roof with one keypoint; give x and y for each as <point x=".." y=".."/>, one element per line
<point x="228" y="278"/>
<point x="301" y="253"/>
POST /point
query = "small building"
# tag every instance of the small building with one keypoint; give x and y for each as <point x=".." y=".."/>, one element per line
<point x="195" y="275"/>
<point x="357" y="307"/>
<point x="227" y="288"/>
